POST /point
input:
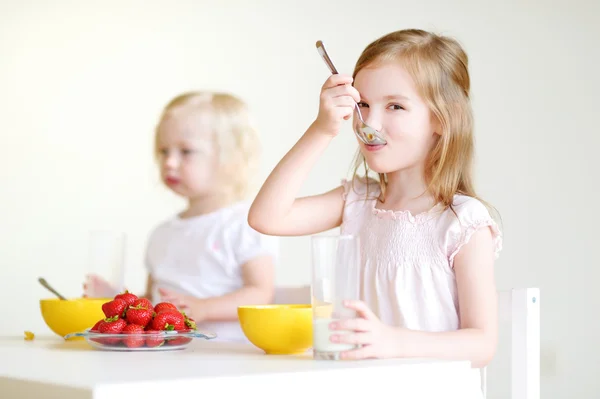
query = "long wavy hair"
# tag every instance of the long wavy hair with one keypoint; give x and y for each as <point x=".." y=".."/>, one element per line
<point x="438" y="66"/>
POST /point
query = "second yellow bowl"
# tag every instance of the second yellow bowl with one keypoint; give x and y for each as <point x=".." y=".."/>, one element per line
<point x="278" y="329"/>
<point x="71" y="315"/>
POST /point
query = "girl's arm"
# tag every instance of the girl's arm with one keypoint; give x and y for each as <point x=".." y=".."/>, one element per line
<point x="258" y="289"/>
<point x="476" y="339"/>
<point x="276" y="210"/>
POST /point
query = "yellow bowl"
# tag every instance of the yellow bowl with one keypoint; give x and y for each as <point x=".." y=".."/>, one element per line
<point x="72" y="315"/>
<point x="278" y="329"/>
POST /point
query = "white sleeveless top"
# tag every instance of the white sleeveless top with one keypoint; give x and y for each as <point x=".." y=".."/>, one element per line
<point x="407" y="276"/>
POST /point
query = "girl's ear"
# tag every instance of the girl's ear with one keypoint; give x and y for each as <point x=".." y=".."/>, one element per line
<point x="437" y="126"/>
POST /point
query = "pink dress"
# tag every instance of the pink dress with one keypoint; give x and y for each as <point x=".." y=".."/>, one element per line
<point x="407" y="260"/>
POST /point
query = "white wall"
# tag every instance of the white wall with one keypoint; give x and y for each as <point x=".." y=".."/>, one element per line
<point x="81" y="85"/>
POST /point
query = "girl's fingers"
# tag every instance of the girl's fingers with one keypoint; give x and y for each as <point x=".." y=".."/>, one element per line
<point x="363" y="338"/>
<point x="336" y="80"/>
<point x="358" y="324"/>
<point x="365" y="352"/>
<point x="344" y="101"/>
<point x="361" y="308"/>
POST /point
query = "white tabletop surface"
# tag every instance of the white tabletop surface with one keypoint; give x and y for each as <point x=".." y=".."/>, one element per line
<point x="49" y="367"/>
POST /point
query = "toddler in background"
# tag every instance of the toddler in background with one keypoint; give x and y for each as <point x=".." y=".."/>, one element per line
<point x="206" y="259"/>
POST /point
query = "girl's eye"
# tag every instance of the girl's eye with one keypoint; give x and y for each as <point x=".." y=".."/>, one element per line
<point x="186" y="151"/>
<point x="163" y="151"/>
<point x="396" y="107"/>
<point x="363" y="105"/>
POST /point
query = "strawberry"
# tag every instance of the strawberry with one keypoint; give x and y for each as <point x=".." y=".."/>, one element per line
<point x="128" y="297"/>
<point x="168" y="320"/>
<point x="139" y="315"/>
<point x="112" y="325"/>
<point x="154" y="338"/>
<point x="96" y="330"/>
<point x="116" y="307"/>
<point x="164" y="306"/>
<point x="134" y="341"/>
<point x="96" y="327"/>
<point x="179" y="341"/>
<point x="143" y="302"/>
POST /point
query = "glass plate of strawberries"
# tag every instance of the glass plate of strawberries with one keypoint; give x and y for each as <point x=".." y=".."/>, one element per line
<point x="135" y="324"/>
<point x="141" y="341"/>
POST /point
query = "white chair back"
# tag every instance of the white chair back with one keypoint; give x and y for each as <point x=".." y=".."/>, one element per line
<point x="515" y="371"/>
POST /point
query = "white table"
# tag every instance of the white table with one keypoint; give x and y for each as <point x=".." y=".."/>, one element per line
<point x="49" y="367"/>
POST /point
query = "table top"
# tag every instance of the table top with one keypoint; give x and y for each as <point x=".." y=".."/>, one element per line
<point x="52" y="367"/>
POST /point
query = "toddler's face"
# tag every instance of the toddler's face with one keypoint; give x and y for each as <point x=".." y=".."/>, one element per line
<point x="391" y="104"/>
<point x="186" y="153"/>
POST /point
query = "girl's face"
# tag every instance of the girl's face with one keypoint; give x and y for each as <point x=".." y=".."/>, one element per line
<point x="186" y="153"/>
<point x="391" y="104"/>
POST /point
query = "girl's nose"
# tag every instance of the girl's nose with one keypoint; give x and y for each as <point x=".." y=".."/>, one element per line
<point x="171" y="161"/>
<point x="372" y="119"/>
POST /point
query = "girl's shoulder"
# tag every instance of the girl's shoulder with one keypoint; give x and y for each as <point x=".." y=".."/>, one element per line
<point x="466" y="207"/>
<point x="460" y="221"/>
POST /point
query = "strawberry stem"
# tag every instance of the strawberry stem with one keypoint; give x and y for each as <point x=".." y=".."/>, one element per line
<point x="191" y="324"/>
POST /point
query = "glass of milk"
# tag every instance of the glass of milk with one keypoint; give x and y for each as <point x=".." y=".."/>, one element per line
<point x="105" y="264"/>
<point x="335" y="278"/>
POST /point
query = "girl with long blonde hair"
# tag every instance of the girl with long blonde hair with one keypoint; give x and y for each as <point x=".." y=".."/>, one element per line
<point x="428" y="243"/>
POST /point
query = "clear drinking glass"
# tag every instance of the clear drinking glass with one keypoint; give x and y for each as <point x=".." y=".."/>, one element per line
<point x="105" y="264"/>
<point x="335" y="278"/>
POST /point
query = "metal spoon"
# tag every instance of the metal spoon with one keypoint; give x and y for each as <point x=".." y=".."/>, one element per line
<point x="364" y="132"/>
<point x="49" y="288"/>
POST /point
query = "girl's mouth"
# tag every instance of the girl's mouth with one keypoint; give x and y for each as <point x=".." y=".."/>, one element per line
<point x="171" y="181"/>
<point x="374" y="147"/>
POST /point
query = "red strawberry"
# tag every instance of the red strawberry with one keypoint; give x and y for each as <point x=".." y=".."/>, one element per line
<point x="154" y="338"/>
<point x="128" y="297"/>
<point x="112" y="325"/>
<point x="116" y="307"/>
<point x="179" y="341"/>
<point x="96" y="330"/>
<point x="96" y="327"/>
<point x="134" y="341"/>
<point x="168" y="320"/>
<point x="164" y="306"/>
<point x="143" y="302"/>
<point x="139" y="315"/>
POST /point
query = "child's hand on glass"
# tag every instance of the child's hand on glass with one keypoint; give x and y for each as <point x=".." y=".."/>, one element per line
<point x="376" y="339"/>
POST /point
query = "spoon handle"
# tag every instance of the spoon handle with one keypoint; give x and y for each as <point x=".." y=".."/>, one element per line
<point x="49" y="288"/>
<point x="323" y="53"/>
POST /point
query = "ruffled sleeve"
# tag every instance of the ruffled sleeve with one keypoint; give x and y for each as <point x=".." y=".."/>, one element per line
<point x="471" y="215"/>
<point x="249" y="243"/>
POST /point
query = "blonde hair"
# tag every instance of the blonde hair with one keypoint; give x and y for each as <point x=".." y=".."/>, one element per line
<point x="438" y="66"/>
<point x="236" y="140"/>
